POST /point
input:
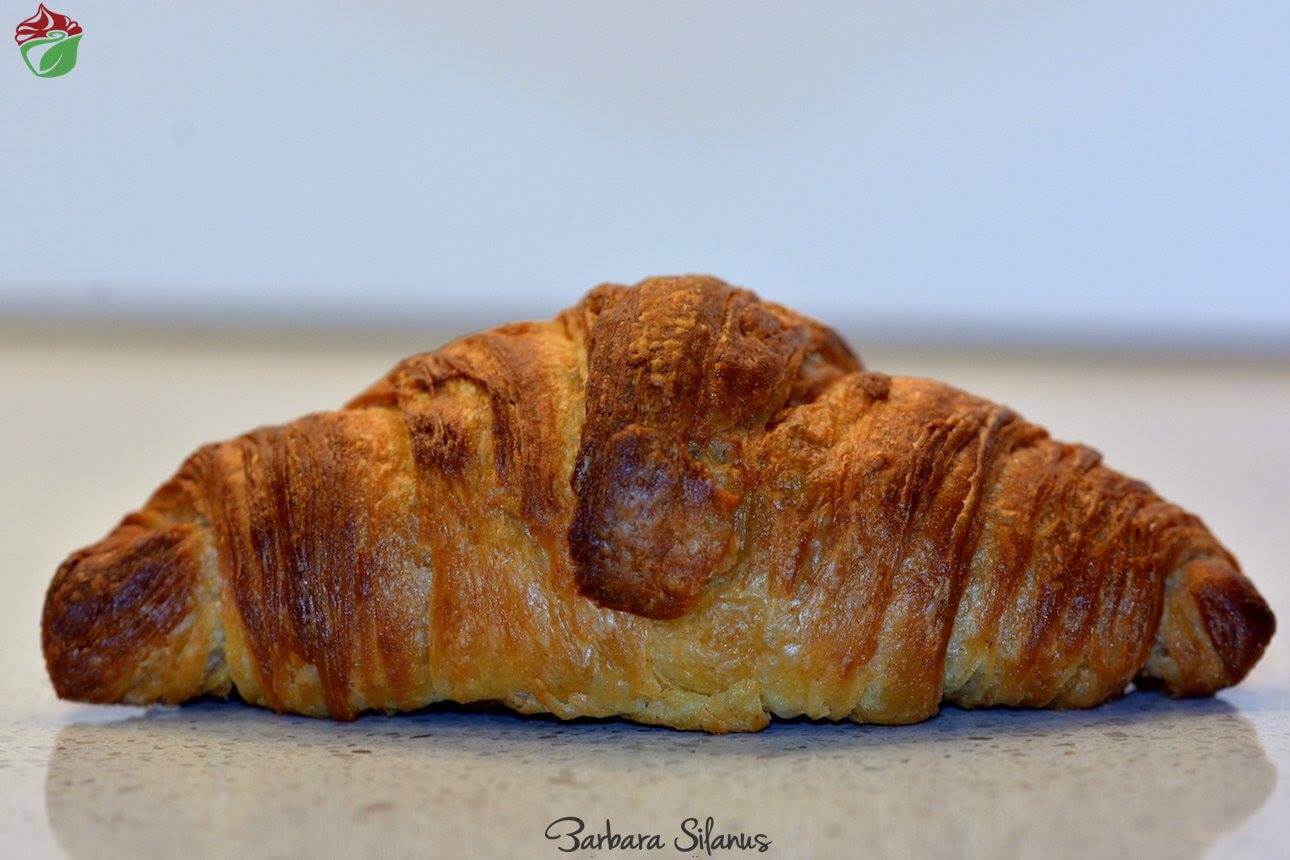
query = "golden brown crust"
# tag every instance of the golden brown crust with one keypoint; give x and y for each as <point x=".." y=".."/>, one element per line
<point x="314" y="531"/>
<point x="682" y="375"/>
<point x="674" y="503"/>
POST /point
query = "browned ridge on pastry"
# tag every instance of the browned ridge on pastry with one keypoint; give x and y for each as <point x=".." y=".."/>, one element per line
<point x="675" y="503"/>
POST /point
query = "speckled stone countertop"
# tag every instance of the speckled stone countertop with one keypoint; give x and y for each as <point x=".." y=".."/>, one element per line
<point x="92" y="425"/>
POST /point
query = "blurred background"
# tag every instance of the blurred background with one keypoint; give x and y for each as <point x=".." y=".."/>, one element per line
<point x="1095" y="175"/>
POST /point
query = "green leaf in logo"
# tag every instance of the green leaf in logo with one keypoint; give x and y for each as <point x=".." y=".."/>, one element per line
<point x="57" y="58"/>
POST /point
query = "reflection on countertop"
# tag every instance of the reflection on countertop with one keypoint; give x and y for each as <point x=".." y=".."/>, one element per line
<point x="1143" y="776"/>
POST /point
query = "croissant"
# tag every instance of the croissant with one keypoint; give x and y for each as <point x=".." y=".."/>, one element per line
<point x="674" y="503"/>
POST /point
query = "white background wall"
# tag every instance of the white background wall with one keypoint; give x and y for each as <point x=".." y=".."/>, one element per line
<point x="1080" y="171"/>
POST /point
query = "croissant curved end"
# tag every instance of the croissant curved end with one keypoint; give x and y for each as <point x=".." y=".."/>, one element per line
<point x="1214" y="629"/>
<point x="125" y="620"/>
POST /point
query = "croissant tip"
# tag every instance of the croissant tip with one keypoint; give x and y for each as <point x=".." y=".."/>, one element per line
<point x="1215" y="628"/>
<point x="1238" y="620"/>
<point x="111" y="607"/>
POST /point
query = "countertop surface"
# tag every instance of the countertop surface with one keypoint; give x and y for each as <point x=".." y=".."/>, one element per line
<point x="93" y="423"/>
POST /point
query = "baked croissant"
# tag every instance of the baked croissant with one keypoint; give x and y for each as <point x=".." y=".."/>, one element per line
<point x="673" y="503"/>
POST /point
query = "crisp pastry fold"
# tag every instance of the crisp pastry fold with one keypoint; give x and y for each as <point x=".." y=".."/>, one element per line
<point x="674" y="503"/>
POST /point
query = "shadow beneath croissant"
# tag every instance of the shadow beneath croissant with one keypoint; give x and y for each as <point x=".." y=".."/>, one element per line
<point x="1142" y="774"/>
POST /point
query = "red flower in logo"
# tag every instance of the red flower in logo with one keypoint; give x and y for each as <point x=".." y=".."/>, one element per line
<point x="44" y="22"/>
